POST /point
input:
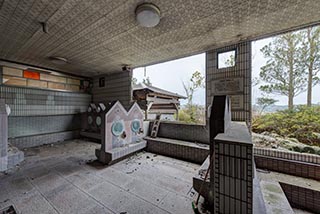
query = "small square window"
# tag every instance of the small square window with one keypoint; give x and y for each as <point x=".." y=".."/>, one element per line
<point x="227" y="59"/>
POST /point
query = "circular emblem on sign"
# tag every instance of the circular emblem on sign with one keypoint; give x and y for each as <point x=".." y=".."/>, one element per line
<point x="90" y="120"/>
<point x="98" y="121"/>
<point x="135" y="125"/>
<point x="117" y="128"/>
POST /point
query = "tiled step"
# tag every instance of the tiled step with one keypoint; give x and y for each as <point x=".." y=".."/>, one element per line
<point x="189" y="151"/>
<point x="199" y="184"/>
<point x="119" y="153"/>
<point x="15" y="156"/>
<point x="274" y="198"/>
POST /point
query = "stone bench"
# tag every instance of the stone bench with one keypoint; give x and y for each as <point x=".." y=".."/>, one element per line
<point x="189" y="151"/>
<point x="120" y="152"/>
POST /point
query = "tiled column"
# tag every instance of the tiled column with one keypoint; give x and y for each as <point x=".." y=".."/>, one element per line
<point x="233" y="171"/>
<point x="3" y="136"/>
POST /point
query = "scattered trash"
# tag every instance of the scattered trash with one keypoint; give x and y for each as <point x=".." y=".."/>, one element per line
<point x="147" y="157"/>
<point x="123" y="213"/>
<point x="130" y="172"/>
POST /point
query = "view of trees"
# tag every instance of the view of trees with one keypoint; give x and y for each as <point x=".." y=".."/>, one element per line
<point x="192" y="113"/>
<point x="292" y="68"/>
<point x="293" y="64"/>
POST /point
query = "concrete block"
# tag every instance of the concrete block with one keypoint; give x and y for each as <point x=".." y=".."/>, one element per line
<point x="73" y="81"/>
<point x="37" y="83"/>
<point x="52" y="78"/>
<point x="9" y="80"/>
<point x="12" y="71"/>
<point x="53" y="85"/>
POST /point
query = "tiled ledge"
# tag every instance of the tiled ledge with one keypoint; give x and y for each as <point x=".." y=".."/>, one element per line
<point x="309" y="158"/>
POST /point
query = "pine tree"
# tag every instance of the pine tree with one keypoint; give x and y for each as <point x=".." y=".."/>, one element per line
<point x="311" y="58"/>
<point x="284" y="73"/>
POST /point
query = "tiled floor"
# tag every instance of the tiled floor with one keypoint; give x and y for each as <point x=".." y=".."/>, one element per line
<point x="63" y="179"/>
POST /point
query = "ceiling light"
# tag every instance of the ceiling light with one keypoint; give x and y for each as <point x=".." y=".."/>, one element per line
<point x="148" y="15"/>
<point x="58" y="60"/>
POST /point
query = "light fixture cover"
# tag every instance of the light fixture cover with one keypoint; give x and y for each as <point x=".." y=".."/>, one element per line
<point x="148" y="15"/>
<point x="58" y="60"/>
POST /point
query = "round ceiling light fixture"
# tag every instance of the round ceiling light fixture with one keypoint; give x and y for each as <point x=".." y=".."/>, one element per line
<point x="148" y="15"/>
<point x="58" y="60"/>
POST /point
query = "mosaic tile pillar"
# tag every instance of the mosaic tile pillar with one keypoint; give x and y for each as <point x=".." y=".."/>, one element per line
<point x="233" y="171"/>
<point x="220" y="81"/>
<point x="3" y="136"/>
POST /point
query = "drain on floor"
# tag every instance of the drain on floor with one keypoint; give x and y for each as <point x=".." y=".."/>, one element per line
<point x="8" y="210"/>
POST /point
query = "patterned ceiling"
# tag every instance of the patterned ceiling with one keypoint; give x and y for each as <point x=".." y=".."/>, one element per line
<point x="98" y="36"/>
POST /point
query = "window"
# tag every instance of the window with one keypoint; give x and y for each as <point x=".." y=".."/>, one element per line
<point x="227" y="59"/>
<point x="101" y="82"/>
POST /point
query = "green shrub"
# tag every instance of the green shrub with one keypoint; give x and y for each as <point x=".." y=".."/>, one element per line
<point x="308" y="149"/>
<point x="301" y="123"/>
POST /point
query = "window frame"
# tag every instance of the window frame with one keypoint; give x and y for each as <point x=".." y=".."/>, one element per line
<point x="226" y="51"/>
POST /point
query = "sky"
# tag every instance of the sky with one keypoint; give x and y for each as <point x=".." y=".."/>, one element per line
<point x="169" y="76"/>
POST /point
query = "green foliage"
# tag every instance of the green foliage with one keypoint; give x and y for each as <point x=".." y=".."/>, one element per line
<point x="194" y="114"/>
<point x="301" y="122"/>
<point x="196" y="82"/>
<point x="284" y="71"/>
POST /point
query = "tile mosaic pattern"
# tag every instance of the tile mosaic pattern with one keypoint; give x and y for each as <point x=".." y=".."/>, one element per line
<point x="116" y="87"/>
<point x="295" y="156"/>
<point x="63" y="179"/>
<point x="30" y="102"/>
<point x="193" y="152"/>
<point x="297" y="168"/>
<point x="100" y="36"/>
<point x="240" y="72"/>
<point x="303" y="198"/>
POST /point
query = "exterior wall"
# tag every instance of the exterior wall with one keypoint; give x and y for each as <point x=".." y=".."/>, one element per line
<point x="223" y="81"/>
<point x="42" y="116"/>
<point x="116" y="87"/>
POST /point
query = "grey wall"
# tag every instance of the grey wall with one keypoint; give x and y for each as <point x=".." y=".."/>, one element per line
<point x="117" y="87"/>
<point x="185" y="132"/>
<point x="43" y="116"/>
<point x="220" y="81"/>
<point x="3" y="137"/>
<point x="35" y="125"/>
